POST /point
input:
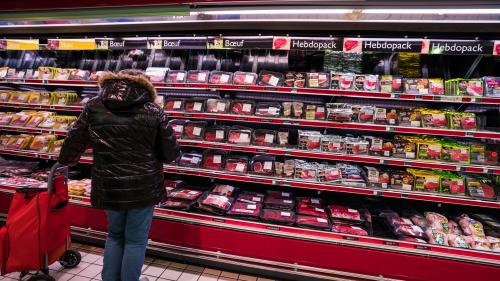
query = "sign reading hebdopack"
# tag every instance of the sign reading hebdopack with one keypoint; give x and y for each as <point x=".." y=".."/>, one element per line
<point x="392" y="45"/>
<point x="460" y="47"/>
<point x="307" y="43"/>
<point x="177" y="43"/>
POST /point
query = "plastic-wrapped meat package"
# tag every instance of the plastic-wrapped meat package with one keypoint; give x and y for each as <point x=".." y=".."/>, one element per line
<point x="192" y="160"/>
<point x="454" y="228"/>
<point x="242" y="107"/>
<point x="216" y="134"/>
<point x="334" y="144"/>
<point x="224" y="190"/>
<point x="309" y="140"/>
<point x="437" y="221"/>
<point x="436" y="237"/>
<point x="279" y="203"/>
<point x="471" y="226"/>
<point x="194" y="105"/>
<point x="349" y="229"/>
<point x="338" y="212"/>
<point x="404" y="227"/>
<point x="478" y="243"/>
<point x="237" y="163"/>
<point x="214" y="159"/>
<point x="314" y="112"/>
<point x="379" y="146"/>
<point x="352" y="175"/>
<point x="340" y="112"/>
<point x="194" y="130"/>
<point x="185" y="194"/>
<point x="262" y="137"/>
<point x="318" y="80"/>
<point x="305" y="170"/>
<point x="217" y="106"/>
<point x="494" y="244"/>
<point x="377" y="177"/>
<point x="250" y="197"/>
<point x="401" y="180"/>
<point x="307" y="201"/>
<point x="269" y="78"/>
<point x="327" y="173"/>
<point x="177" y="204"/>
<point x="244" y="78"/>
<point x="279" y="194"/>
<point x="282" y="138"/>
<point x="356" y="146"/>
<point x="419" y="220"/>
<point x="313" y="222"/>
<point x="213" y="203"/>
<point x="174" y="104"/>
<point x="480" y="187"/>
<point x="278" y="216"/>
<point x="240" y="135"/>
<point x="263" y="164"/>
<point x="268" y="109"/>
<point x="198" y="76"/>
<point x="310" y="210"/>
<point x="457" y="241"/>
<point x="342" y="81"/>
<point x="176" y="76"/>
<point x="289" y="168"/>
<point x="173" y="183"/>
<point x="178" y="127"/>
<point x="293" y="109"/>
<point x="366" y="114"/>
<point x="220" y="77"/>
<point x="245" y="210"/>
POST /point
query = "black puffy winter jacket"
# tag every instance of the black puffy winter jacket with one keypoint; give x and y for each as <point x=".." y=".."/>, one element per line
<point x="130" y="139"/>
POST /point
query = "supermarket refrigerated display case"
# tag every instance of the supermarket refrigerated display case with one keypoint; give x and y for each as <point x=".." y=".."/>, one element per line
<point x="287" y="250"/>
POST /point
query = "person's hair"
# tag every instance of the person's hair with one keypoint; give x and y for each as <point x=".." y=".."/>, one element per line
<point x="133" y="72"/>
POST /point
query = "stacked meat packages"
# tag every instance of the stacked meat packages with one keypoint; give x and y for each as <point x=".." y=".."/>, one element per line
<point x="349" y="220"/>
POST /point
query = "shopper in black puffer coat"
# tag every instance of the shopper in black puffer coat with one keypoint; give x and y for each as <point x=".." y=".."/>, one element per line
<point x="131" y="140"/>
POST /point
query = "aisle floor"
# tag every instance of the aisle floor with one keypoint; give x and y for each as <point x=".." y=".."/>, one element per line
<point x="155" y="269"/>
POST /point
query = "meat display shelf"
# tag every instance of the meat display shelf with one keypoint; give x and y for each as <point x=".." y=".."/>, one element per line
<point x="336" y="125"/>
<point x="33" y="130"/>
<point x="482" y="257"/>
<point x="296" y="183"/>
<point x="39" y="155"/>
<point x="366" y="159"/>
<point x="302" y="91"/>
<point x="41" y="106"/>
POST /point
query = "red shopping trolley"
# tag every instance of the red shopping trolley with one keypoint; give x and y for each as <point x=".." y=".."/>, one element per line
<point x="37" y="231"/>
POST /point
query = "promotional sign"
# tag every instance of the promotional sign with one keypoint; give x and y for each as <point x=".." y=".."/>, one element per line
<point x="240" y="42"/>
<point x="178" y="43"/>
<point x="121" y="43"/>
<point x="71" y="44"/>
<point x="392" y="45"/>
<point x="461" y="47"/>
<point x="19" y="44"/>
<point x="307" y="43"/>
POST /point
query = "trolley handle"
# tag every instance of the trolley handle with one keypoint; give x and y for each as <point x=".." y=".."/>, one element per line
<point x="57" y="166"/>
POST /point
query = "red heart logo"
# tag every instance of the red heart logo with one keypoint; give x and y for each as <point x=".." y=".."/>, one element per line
<point x="350" y="44"/>
<point x="279" y="43"/>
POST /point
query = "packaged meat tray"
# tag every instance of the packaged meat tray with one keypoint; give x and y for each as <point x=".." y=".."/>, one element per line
<point x="19" y="142"/>
<point x="328" y="173"/>
<point x="198" y="76"/>
<point x="313" y="222"/>
<point x="177" y="126"/>
<point x="342" y="81"/>
<point x="41" y="143"/>
<point x="185" y="194"/>
<point x="192" y="160"/>
<point x="339" y="112"/>
<point x="293" y="109"/>
<point x="213" y="203"/>
<point x="262" y="137"/>
<point x="311" y="210"/>
<point x="338" y="212"/>
<point x="173" y="183"/>
<point x="458" y="241"/>
<point x="244" y="78"/>
<point x="436" y="86"/>
<point x="278" y="216"/>
<point x="216" y="134"/>
<point x="349" y="229"/>
<point x="194" y="105"/>
<point x="279" y="194"/>
<point x="471" y="226"/>
<point x="176" y="76"/>
<point x="416" y="86"/>
<point x="236" y="163"/>
<point x="370" y="83"/>
<point x="356" y="146"/>
<point x="220" y="77"/>
<point x="314" y="112"/>
<point x="174" y="104"/>
<point x="269" y="78"/>
<point x="404" y="227"/>
<point x="251" y="197"/>
<point x="224" y="190"/>
<point x="480" y="187"/>
<point x="242" y="107"/>
<point x="172" y="203"/>
<point x="263" y="164"/>
<point x="333" y="144"/>
<point x="218" y="106"/>
<point x="214" y="159"/>
<point x="436" y="237"/>
<point x="279" y="203"/>
<point x="366" y="114"/>
<point x="305" y="170"/>
<point x="391" y="84"/>
<point x="380" y="147"/>
<point x="400" y="180"/>
<point x="194" y="130"/>
<point x="268" y="109"/>
<point x="282" y="138"/>
<point x="409" y="118"/>
<point x="307" y="201"/>
<point x="240" y="135"/>
<point x="245" y="210"/>
<point x="318" y="80"/>
<point x="352" y="175"/>
<point x="309" y="140"/>
<point x="491" y="86"/>
<point x="55" y="147"/>
<point x="295" y="79"/>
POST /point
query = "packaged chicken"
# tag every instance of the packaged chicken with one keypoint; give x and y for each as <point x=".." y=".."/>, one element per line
<point x="478" y="243"/>
<point x="494" y="244"/>
<point x="437" y="221"/>
<point x="436" y="237"/>
<point x="220" y="77"/>
<point x="198" y="76"/>
<point x="471" y="226"/>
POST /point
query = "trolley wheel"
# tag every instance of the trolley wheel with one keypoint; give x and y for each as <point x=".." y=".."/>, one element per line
<point x="41" y="277"/>
<point x="70" y="259"/>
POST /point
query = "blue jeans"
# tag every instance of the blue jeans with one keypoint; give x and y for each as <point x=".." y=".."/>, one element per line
<point x="126" y="244"/>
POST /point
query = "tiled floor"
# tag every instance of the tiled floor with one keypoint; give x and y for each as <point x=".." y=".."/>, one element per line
<point x="155" y="269"/>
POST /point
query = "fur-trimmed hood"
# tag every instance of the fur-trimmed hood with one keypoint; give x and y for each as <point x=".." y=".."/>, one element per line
<point x="125" y="89"/>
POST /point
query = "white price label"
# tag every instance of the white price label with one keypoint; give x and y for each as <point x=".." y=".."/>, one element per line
<point x="180" y="76"/>
<point x="244" y="138"/>
<point x="268" y="165"/>
<point x="247" y="107"/>
<point x="196" y="131"/>
<point x="410" y="155"/>
<point x="20" y="141"/>
<point x="287" y="201"/>
<point x="202" y="76"/>
<point x="217" y="159"/>
<point x="269" y="138"/>
<point x="285" y="194"/>
<point x="178" y="128"/>
<point x="195" y="160"/>
<point x="224" y="78"/>
<point x="272" y="110"/>
<point x="387" y="153"/>
<point x="319" y="210"/>
<point x="274" y="81"/>
<point x="356" y="228"/>
<point x="177" y="104"/>
<point x="285" y="214"/>
<point x="221" y="106"/>
<point x="352" y="210"/>
<point x="197" y="106"/>
<point x="315" y="201"/>
<point x="243" y="211"/>
<point x="219" y="134"/>
<point x="256" y="199"/>
<point x="249" y="79"/>
<point x="322" y="220"/>
<point x="406" y="186"/>
<point x="240" y="168"/>
<point x="192" y="192"/>
<point x="415" y="123"/>
<point x="251" y="207"/>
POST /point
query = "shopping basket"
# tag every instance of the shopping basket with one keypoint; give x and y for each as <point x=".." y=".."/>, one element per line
<point x="37" y="231"/>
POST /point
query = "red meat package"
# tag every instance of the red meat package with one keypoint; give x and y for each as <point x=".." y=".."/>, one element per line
<point x="213" y="203"/>
<point x="192" y="160"/>
<point x="245" y="210"/>
<point x="242" y="107"/>
<point x="305" y="170"/>
<point x="237" y="163"/>
<point x="177" y="126"/>
<point x="278" y="216"/>
<point x="268" y="109"/>
<point x="214" y="159"/>
<point x="217" y="106"/>
<point x="216" y="133"/>
<point x="262" y="137"/>
<point x="269" y="78"/>
<point x="224" y="190"/>
<point x="338" y="212"/>
<point x="328" y="173"/>
<point x="404" y="227"/>
<point x="174" y="105"/>
<point x="313" y="222"/>
<point x="185" y="194"/>
<point x="176" y="76"/>
<point x="244" y="78"/>
<point x="194" y="105"/>
<point x="194" y="130"/>
<point x="198" y="76"/>
<point x="307" y="201"/>
<point x="310" y="210"/>
<point x="318" y="80"/>
<point x="239" y="135"/>
<point x="263" y="164"/>
<point x="172" y="203"/>
<point x="279" y="194"/>
<point x="334" y="144"/>
<point x="309" y="140"/>
<point x="173" y="183"/>
<point x="220" y="77"/>
<point x="251" y="197"/>
<point x="279" y="203"/>
<point x="349" y="229"/>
